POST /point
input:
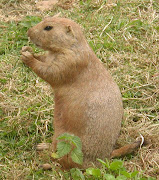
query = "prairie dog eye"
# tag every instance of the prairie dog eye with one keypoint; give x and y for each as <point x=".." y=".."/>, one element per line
<point x="48" y="28"/>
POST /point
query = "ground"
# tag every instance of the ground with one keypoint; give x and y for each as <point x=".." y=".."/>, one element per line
<point x="124" y="35"/>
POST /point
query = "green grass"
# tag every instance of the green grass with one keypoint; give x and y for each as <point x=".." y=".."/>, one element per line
<point x="124" y="35"/>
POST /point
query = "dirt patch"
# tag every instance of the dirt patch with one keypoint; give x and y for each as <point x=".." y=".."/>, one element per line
<point x="17" y="10"/>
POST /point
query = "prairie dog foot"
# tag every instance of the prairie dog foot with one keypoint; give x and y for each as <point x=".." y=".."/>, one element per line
<point x="46" y="166"/>
<point x="43" y="146"/>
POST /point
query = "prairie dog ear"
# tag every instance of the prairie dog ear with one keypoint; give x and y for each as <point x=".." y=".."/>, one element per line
<point x="69" y="30"/>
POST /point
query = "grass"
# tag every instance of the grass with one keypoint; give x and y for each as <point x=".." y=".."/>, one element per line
<point x="125" y="36"/>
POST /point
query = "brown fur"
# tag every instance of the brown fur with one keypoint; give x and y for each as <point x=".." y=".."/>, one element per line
<point x="127" y="149"/>
<point x="87" y="101"/>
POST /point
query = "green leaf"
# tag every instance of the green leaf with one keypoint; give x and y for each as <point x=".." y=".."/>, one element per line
<point x="65" y="136"/>
<point x="77" y="142"/>
<point x="126" y="174"/>
<point x="104" y="163"/>
<point x="77" y="156"/>
<point x="109" y="177"/>
<point x="71" y="138"/>
<point x="133" y="174"/>
<point x="121" y="177"/>
<point x="63" y="148"/>
<point x="115" y="165"/>
<point x="94" y="172"/>
<point x="76" y="174"/>
<point x="54" y="155"/>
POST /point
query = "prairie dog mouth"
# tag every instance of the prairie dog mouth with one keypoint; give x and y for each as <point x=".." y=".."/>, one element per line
<point x="29" y="40"/>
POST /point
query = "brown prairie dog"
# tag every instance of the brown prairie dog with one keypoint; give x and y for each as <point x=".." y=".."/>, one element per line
<point x="87" y="101"/>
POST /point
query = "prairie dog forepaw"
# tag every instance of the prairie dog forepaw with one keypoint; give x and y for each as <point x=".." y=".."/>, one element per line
<point x="27" y="56"/>
<point x="42" y="146"/>
<point x="27" y="48"/>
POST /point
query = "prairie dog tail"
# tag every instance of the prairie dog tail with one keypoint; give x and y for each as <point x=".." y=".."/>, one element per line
<point x="129" y="148"/>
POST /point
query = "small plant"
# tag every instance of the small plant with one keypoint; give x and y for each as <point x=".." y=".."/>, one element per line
<point x="76" y="174"/>
<point x="115" y="170"/>
<point x="69" y="144"/>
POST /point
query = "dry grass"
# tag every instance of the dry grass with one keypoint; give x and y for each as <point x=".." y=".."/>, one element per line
<point x="125" y="36"/>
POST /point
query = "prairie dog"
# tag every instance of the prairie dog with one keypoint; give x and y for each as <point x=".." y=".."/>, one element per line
<point x="88" y="102"/>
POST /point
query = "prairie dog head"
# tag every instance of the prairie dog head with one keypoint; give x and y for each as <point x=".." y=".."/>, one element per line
<point x="56" y="33"/>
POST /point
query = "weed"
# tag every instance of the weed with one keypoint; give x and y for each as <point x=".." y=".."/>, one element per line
<point x="69" y="144"/>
